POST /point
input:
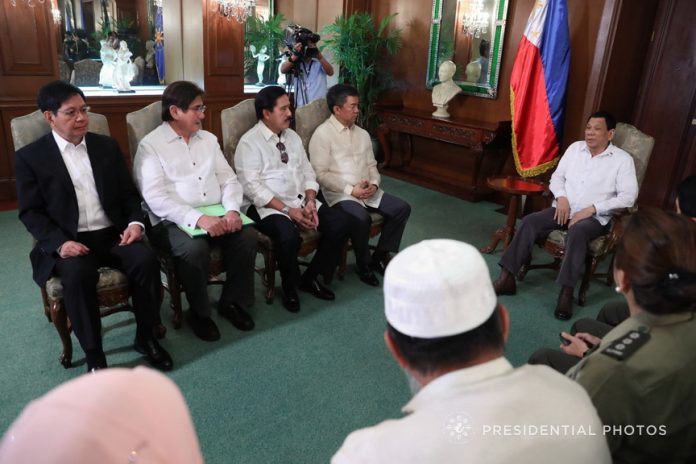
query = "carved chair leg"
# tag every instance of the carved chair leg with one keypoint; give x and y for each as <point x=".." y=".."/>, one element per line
<point x="158" y="329"/>
<point x="610" y="272"/>
<point x="60" y="321"/>
<point x="46" y="304"/>
<point x="590" y="268"/>
<point x="269" y="275"/>
<point x="175" y="297"/>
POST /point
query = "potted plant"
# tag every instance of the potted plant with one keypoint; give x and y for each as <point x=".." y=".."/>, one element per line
<point x="259" y="33"/>
<point x="357" y="45"/>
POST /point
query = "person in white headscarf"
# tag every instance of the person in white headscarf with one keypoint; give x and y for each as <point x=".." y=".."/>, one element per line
<point x="112" y="416"/>
<point x="447" y="331"/>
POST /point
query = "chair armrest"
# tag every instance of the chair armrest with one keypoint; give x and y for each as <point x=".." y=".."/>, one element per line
<point x="616" y="228"/>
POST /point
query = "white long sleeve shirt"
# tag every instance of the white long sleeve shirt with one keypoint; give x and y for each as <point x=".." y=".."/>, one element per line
<point x="606" y="181"/>
<point x="342" y="157"/>
<point x="264" y="176"/>
<point x="91" y="214"/>
<point x="175" y="177"/>
<point x="489" y="413"/>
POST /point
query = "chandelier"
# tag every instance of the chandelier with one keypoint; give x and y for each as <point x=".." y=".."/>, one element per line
<point x="237" y="9"/>
<point x="475" y="21"/>
<point x="30" y="3"/>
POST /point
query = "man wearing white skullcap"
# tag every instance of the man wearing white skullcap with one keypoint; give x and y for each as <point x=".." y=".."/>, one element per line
<point x="447" y="331"/>
<point x="114" y="416"/>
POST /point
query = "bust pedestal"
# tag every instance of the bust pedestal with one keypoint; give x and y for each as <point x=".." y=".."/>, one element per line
<point x="441" y="112"/>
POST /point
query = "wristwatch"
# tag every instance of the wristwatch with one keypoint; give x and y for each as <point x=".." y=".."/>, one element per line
<point x="285" y="210"/>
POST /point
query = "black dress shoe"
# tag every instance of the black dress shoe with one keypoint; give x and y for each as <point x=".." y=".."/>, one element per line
<point x="237" y="316"/>
<point x="369" y="277"/>
<point x="378" y="265"/>
<point x="317" y="289"/>
<point x="505" y="283"/>
<point x="291" y="301"/>
<point x="204" y="328"/>
<point x="94" y="369"/>
<point x="564" y="306"/>
<point x="155" y="354"/>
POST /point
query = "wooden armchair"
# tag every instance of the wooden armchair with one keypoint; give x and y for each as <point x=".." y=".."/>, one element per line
<point x="639" y="146"/>
<point x="112" y="288"/>
<point x="307" y="119"/>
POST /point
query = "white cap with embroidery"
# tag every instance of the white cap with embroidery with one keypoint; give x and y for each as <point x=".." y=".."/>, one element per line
<point x="438" y="288"/>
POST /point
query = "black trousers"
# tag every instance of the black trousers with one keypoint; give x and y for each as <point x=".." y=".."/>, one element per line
<point x="395" y="212"/>
<point x="79" y="277"/>
<point x="537" y="226"/>
<point x="614" y="312"/>
<point x="334" y="227"/>
<point x="192" y="261"/>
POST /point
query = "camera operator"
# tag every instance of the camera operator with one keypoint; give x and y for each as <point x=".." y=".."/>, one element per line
<point x="308" y="66"/>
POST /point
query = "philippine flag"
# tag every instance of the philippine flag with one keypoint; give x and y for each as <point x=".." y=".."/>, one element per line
<point x="538" y="87"/>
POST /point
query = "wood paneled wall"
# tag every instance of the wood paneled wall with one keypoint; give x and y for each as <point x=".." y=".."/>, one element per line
<point x="610" y="40"/>
<point x="614" y="65"/>
<point x="27" y="62"/>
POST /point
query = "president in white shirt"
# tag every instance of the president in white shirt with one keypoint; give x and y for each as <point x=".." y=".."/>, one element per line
<point x="593" y="179"/>
<point x="178" y="168"/>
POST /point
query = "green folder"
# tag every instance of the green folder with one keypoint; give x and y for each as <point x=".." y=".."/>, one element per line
<point x="213" y="210"/>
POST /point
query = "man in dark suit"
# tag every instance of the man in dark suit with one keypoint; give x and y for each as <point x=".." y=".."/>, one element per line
<point x="77" y="199"/>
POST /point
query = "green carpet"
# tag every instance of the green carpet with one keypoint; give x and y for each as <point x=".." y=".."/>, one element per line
<point x="290" y="390"/>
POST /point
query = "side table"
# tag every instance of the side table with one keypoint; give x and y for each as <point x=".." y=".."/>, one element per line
<point x="515" y="187"/>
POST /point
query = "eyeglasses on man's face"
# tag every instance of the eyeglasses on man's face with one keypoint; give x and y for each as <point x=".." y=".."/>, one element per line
<point x="199" y="108"/>
<point x="71" y="113"/>
<point x="283" y="154"/>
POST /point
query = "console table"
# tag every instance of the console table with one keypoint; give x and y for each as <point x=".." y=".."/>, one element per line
<point x="480" y="150"/>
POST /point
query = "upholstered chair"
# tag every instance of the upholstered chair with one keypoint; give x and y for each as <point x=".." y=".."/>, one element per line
<point x="112" y="288"/>
<point x="87" y="72"/>
<point x="307" y="119"/>
<point x="639" y="146"/>
<point x="64" y="71"/>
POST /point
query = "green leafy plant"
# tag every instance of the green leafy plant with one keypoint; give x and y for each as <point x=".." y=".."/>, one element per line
<point x="358" y="45"/>
<point x="260" y="32"/>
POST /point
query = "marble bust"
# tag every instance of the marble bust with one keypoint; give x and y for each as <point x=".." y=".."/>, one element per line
<point x="445" y="90"/>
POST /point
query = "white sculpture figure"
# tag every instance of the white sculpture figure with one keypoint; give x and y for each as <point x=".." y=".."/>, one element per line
<point x="262" y="57"/>
<point x="282" y="79"/>
<point x="139" y="63"/>
<point x="125" y="70"/>
<point x="445" y="90"/>
<point x="108" y="58"/>
<point x="473" y="71"/>
<point x="150" y="54"/>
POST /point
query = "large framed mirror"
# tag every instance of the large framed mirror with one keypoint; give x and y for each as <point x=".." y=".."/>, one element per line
<point x="470" y="33"/>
